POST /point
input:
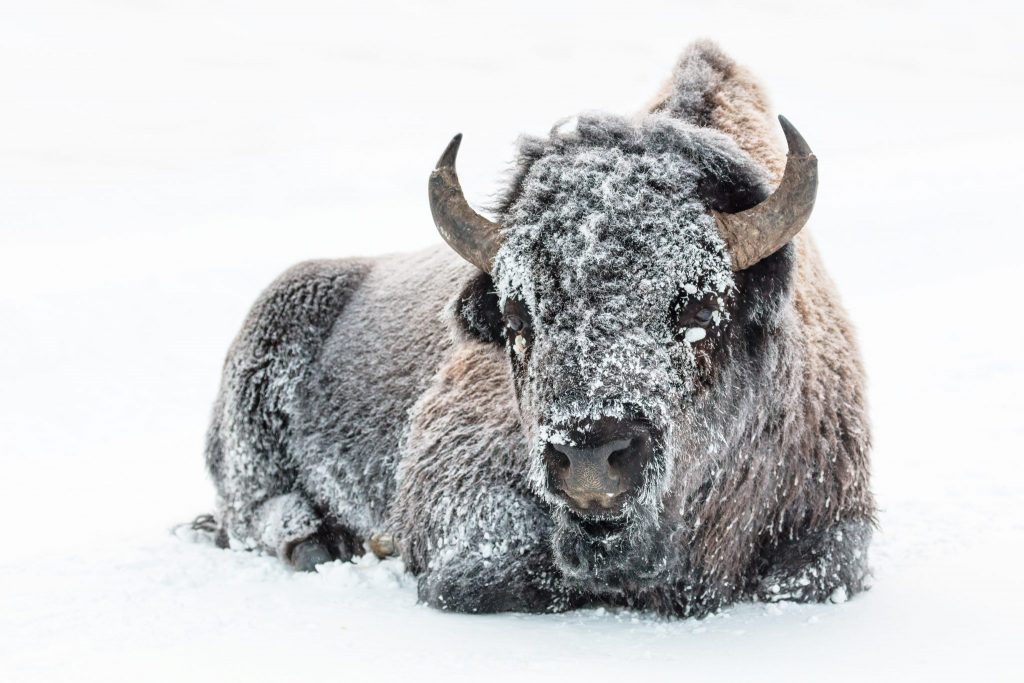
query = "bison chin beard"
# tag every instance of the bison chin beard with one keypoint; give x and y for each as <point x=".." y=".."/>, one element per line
<point x="609" y="556"/>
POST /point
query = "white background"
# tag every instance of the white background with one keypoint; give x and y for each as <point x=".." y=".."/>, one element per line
<point x="161" y="162"/>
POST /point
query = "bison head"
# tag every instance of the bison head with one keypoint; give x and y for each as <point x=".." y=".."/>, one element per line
<point x="629" y="262"/>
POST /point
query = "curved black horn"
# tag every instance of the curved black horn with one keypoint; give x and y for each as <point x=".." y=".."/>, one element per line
<point x="762" y="230"/>
<point x="472" y="236"/>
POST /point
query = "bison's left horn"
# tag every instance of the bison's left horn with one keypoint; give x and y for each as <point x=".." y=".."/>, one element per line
<point x="475" y="238"/>
<point x="762" y="230"/>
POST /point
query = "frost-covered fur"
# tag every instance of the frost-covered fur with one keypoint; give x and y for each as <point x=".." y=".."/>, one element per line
<point x="386" y="395"/>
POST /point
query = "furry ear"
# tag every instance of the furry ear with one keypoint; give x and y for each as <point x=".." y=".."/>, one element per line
<point x="476" y="313"/>
<point x="731" y="184"/>
<point x="709" y="89"/>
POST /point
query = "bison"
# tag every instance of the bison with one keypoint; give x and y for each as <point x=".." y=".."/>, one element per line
<point x="636" y="387"/>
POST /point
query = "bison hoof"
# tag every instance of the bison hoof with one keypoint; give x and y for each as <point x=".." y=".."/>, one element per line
<point x="305" y="556"/>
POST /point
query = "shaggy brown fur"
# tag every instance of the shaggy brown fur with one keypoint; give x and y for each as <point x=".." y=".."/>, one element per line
<point x="713" y="90"/>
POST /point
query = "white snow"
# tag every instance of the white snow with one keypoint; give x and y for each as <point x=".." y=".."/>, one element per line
<point x="567" y="128"/>
<point x="520" y="346"/>
<point x="160" y="163"/>
<point x="695" y="334"/>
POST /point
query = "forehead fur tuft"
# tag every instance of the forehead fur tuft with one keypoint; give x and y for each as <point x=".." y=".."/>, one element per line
<point x="695" y="153"/>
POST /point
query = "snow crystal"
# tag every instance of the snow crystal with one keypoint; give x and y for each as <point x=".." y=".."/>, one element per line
<point x="695" y="334"/>
<point x="520" y="345"/>
<point x="567" y="128"/>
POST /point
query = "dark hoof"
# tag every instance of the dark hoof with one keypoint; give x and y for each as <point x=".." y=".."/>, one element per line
<point x="305" y="556"/>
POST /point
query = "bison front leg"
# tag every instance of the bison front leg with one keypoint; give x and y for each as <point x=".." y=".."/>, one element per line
<point x="504" y="584"/>
<point x="293" y="531"/>
<point x="491" y="555"/>
<point x="284" y="525"/>
<point x="826" y="565"/>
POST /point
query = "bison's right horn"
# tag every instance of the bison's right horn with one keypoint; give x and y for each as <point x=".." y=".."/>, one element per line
<point x="472" y="236"/>
<point x="762" y="230"/>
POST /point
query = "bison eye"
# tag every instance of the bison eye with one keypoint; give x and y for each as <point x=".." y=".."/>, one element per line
<point x="517" y="317"/>
<point x="695" y="313"/>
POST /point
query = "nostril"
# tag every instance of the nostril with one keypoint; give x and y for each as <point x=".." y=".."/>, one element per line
<point x="559" y="459"/>
<point x="619" y="458"/>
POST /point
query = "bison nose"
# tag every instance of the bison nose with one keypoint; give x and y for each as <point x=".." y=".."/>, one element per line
<point x="597" y="476"/>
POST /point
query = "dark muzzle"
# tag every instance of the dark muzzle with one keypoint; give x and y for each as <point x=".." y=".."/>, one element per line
<point x="602" y="466"/>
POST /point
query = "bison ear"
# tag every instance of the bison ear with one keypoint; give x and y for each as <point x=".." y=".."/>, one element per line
<point x="476" y="311"/>
<point x="730" y="184"/>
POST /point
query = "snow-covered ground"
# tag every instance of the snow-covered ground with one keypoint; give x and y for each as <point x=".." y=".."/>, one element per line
<point x="161" y="162"/>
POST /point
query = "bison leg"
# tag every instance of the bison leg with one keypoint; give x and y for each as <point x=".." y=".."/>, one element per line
<point x="288" y="527"/>
<point x="525" y="584"/>
<point x="828" y="565"/>
<point x="492" y="555"/>
<point x="248" y="450"/>
<point x="285" y="526"/>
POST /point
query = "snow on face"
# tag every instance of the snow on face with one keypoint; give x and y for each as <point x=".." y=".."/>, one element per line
<point x="604" y="235"/>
